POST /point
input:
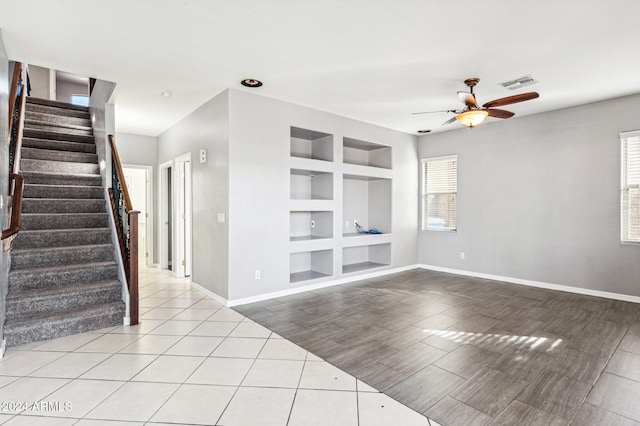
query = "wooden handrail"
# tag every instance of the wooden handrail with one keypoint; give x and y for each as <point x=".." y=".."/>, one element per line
<point x="126" y="220"/>
<point x="116" y="160"/>
<point x="16" y="210"/>
<point x="14" y="89"/>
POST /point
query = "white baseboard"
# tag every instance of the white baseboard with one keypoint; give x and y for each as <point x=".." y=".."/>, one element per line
<point x="539" y="284"/>
<point x="288" y="292"/>
<point x="211" y="294"/>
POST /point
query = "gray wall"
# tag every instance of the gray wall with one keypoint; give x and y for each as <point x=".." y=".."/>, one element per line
<point x="206" y="128"/>
<point x="40" y="82"/>
<point x="64" y="90"/>
<point x="142" y="150"/>
<point x="259" y="158"/>
<point x="4" y="172"/>
<point x="539" y="198"/>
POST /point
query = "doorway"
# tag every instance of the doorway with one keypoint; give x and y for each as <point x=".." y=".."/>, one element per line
<point x="139" y="181"/>
<point x="175" y="231"/>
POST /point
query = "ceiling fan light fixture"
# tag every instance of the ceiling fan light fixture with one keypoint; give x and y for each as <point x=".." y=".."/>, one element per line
<point x="472" y="117"/>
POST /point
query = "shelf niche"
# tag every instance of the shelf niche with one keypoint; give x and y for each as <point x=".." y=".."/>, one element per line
<point x="361" y="258"/>
<point x="364" y="153"/>
<point x="310" y="225"/>
<point x="309" y="265"/>
<point x="311" y="144"/>
<point x="367" y="200"/>
<point x="311" y="185"/>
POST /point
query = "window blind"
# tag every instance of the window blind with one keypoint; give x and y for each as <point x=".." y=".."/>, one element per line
<point x="630" y="196"/>
<point x="439" y="193"/>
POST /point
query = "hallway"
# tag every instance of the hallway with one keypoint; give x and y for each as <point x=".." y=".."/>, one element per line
<point x="191" y="361"/>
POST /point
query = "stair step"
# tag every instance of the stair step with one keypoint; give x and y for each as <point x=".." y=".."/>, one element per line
<point x="59" y="136"/>
<point x="62" y="191"/>
<point x="47" y="166"/>
<point x="44" y="117"/>
<point x="53" y="256"/>
<point x="66" y="129"/>
<point x="31" y="100"/>
<point x="29" y="303"/>
<point x="50" y="326"/>
<point x="63" y="205"/>
<point x="33" y="221"/>
<point x="61" y="238"/>
<point x="53" y="276"/>
<point x="55" y="155"/>
<point x="58" y="145"/>
<point x="69" y="179"/>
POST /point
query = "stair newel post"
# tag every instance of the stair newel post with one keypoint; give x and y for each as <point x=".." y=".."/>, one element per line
<point x="126" y="219"/>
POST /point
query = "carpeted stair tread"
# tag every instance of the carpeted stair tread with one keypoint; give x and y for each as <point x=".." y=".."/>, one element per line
<point x="60" y="136"/>
<point x="32" y="221"/>
<point x="27" y="164"/>
<point x="44" y="117"/>
<point x="61" y="178"/>
<point x="63" y="205"/>
<point x="52" y="276"/>
<point x="21" y="304"/>
<point x="50" y="256"/>
<point x="59" y="324"/>
<point x="61" y="238"/>
<point x="68" y="129"/>
<point x="56" y="145"/>
<point x="55" y="155"/>
<point x="56" y="104"/>
<point x="40" y="190"/>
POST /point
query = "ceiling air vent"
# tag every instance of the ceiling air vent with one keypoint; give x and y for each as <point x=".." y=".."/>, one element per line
<point x="517" y="83"/>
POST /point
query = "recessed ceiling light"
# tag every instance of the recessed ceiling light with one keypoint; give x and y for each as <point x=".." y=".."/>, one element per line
<point x="251" y="82"/>
<point x="166" y="93"/>
<point x="424" y="131"/>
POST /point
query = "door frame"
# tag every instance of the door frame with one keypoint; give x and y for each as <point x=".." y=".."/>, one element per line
<point x="163" y="212"/>
<point x="149" y="208"/>
<point x="182" y="213"/>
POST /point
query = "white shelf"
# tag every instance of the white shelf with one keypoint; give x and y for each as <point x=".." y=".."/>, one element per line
<point x="359" y="258"/>
<point x="350" y="240"/>
<point x="367" y="200"/>
<point x="309" y="225"/>
<point x="311" y="185"/>
<point x="365" y="153"/>
<point x="311" y="144"/>
<point x="309" y="265"/>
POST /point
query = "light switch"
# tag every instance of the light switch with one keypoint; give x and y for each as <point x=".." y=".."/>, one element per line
<point x="221" y="218"/>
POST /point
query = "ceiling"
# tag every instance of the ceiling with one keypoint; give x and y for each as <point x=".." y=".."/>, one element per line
<point x="371" y="60"/>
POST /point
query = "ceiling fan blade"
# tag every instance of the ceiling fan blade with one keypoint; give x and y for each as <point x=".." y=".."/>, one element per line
<point x="449" y="121"/>
<point x="500" y="113"/>
<point x="468" y="99"/>
<point x="511" y="99"/>
<point x="432" y="112"/>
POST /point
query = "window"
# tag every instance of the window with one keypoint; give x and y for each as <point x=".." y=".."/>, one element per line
<point x="82" y="100"/>
<point x="439" y="193"/>
<point x="630" y="196"/>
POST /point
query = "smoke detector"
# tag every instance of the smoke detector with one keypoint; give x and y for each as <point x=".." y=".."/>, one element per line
<point x="517" y="83"/>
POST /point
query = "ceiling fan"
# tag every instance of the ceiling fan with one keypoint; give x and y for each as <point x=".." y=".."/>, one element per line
<point x="472" y="115"/>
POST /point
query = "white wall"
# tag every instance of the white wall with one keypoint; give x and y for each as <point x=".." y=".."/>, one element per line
<point x="40" y="80"/>
<point x="64" y="90"/>
<point x="259" y="156"/>
<point x="539" y="198"/>
<point x="206" y="128"/>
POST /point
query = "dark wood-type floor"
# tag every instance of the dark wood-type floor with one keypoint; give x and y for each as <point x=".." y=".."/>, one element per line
<point x="467" y="351"/>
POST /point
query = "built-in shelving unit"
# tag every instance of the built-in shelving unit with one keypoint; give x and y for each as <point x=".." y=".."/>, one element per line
<point x="316" y="212"/>
<point x="365" y="153"/>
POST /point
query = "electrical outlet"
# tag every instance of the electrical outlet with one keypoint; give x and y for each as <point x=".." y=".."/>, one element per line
<point x="346" y="223"/>
<point x="461" y="255"/>
<point x="258" y="274"/>
<point x="313" y="223"/>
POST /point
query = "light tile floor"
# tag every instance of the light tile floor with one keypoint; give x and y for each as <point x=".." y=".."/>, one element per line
<point x="191" y="361"/>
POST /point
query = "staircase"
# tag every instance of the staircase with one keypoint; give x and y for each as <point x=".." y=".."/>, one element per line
<point x="63" y="278"/>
